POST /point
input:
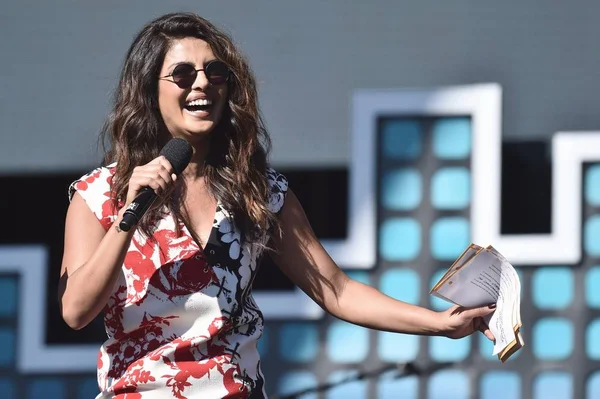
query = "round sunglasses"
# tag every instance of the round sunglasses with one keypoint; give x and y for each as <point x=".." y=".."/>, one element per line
<point x="184" y="75"/>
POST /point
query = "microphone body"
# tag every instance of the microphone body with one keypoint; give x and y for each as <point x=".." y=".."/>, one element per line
<point x="179" y="153"/>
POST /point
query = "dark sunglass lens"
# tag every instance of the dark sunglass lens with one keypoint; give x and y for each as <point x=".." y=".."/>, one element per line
<point x="217" y="72"/>
<point x="184" y="75"/>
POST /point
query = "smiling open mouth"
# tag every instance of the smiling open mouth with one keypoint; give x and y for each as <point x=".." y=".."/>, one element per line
<point x="198" y="105"/>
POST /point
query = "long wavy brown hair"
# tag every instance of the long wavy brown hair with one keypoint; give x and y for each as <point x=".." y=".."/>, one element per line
<point x="135" y="132"/>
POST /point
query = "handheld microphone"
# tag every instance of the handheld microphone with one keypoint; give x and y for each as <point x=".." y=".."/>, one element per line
<point x="179" y="153"/>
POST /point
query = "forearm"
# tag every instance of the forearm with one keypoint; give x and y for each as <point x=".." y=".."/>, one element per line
<point x="89" y="287"/>
<point x="360" y="304"/>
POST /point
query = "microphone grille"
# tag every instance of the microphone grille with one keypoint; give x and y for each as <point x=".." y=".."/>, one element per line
<point x="178" y="152"/>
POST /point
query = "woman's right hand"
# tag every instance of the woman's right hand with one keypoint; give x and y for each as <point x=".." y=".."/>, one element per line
<point x="157" y="174"/>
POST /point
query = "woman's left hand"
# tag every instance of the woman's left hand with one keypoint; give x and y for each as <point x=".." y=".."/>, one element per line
<point x="459" y="322"/>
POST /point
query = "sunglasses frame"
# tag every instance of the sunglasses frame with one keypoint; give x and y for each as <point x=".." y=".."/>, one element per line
<point x="204" y="68"/>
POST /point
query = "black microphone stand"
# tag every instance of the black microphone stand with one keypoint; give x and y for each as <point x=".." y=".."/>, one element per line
<point x="404" y="370"/>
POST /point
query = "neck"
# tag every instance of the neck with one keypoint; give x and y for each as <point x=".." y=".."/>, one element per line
<point x="195" y="169"/>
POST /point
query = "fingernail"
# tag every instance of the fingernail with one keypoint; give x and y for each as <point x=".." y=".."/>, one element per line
<point x="492" y="306"/>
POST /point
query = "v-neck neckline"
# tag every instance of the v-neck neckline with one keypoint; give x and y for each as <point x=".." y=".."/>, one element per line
<point x="211" y="235"/>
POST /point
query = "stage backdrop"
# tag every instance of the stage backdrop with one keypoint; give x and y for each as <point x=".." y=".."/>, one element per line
<point x="428" y="175"/>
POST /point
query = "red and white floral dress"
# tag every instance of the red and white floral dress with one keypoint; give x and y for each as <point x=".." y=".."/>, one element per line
<point x="181" y="320"/>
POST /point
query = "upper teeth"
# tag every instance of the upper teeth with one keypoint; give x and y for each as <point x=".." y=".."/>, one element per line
<point x="201" y="101"/>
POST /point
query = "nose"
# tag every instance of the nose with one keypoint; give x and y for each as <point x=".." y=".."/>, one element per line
<point x="201" y="81"/>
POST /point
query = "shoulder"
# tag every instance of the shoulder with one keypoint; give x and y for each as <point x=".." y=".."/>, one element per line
<point x="95" y="189"/>
<point x="98" y="180"/>
<point x="278" y="186"/>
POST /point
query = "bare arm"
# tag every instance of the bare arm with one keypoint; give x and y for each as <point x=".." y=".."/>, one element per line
<point x="304" y="260"/>
<point x="91" y="264"/>
<point x="93" y="257"/>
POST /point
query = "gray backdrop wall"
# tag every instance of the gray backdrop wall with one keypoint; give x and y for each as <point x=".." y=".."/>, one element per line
<point x="60" y="61"/>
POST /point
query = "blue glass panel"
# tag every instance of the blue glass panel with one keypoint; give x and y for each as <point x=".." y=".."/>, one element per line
<point x="451" y="384"/>
<point x="552" y="338"/>
<point x="449" y="238"/>
<point x="394" y="347"/>
<point x="402" y="139"/>
<point x="88" y="389"/>
<point x="443" y="349"/>
<point x="8" y="388"/>
<point x="354" y="389"/>
<point x="298" y="342"/>
<point x="47" y="388"/>
<point x="593" y="386"/>
<point x="347" y="343"/>
<point x="556" y="280"/>
<point x="553" y="384"/>
<point x="592" y="282"/>
<point x="296" y="381"/>
<point x="591" y="236"/>
<point x="400" y="239"/>
<point x="500" y="384"/>
<point x="452" y="138"/>
<point x="8" y="296"/>
<point x="401" y="189"/>
<point x="401" y="283"/>
<point x="437" y="303"/>
<point x="592" y="340"/>
<point x="451" y="188"/>
<point x="7" y="347"/>
<point x="263" y="343"/>
<point x="401" y="388"/>
<point x="592" y="185"/>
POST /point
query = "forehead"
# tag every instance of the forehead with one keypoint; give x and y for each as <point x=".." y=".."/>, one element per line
<point x="193" y="50"/>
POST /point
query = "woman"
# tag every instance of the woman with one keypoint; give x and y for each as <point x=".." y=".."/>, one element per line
<point x="176" y="290"/>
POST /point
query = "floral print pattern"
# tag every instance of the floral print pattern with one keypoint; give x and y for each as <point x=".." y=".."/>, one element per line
<point x="181" y="321"/>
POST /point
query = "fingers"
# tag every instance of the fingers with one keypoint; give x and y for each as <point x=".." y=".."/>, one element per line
<point x="157" y="174"/>
<point x="484" y="328"/>
<point x="479" y="312"/>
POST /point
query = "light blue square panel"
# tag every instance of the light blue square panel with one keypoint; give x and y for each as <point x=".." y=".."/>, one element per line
<point x="356" y="389"/>
<point x="553" y="385"/>
<point x="401" y="283"/>
<point x="451" y="188"/>
<point x="452" y="138"/>
<point x="47" y="388"/>
<point x="592" y="284"/>
<point x="347" y="343"/>
<point x="402" y="139"/>
<point x="7" y="347"/>
<point x="449" y="237"/>
<point x="8" y="296"/>
<point x="557" y="280"/>
<point x="592" y="185"/>
<point x="437" y="303"/>
<point x="591" y="236"/>
<point x="7" y="388"/>
<point x="592" y="340"/>
<point x="500" y="384"/>
<point x="400" y="239"/>
<point x="593" y="386"/>
<point x="394" y="348"/>
<point x="397" y="388"/>
<point x="297" y="381"/>
<point x="88" y="388"/>
<point x="263" y="342"/>
<point x="401" y="189"/>
<point x="360" y="276"/>
<point x="449" y="384"/>
<point x="298" y="342"/>
<point x="442" y="349"/>
<point x="552" y="338"/>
